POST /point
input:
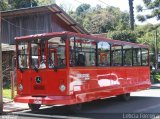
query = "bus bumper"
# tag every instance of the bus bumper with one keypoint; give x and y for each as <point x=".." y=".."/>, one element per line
<point x="48" y="100"/>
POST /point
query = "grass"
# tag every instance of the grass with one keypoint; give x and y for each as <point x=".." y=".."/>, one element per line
<point x="7" y="93"/>
<point x="158" y="77"/>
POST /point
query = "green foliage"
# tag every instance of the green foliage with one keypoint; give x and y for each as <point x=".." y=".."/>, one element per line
<point x="16" y="4"/>
<point x="101" y="20"/>
<point x="82" y="8"/>
<point x="45" y="2"/>
<point x="146" y="35"/>
<point x="4" y="5"/>
<point x="153" y="6"/>
<point x="124" y="35"/>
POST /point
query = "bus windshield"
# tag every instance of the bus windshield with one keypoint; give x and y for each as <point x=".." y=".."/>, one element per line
<point x="42" y="53"/>
<point x="38" y="54"/>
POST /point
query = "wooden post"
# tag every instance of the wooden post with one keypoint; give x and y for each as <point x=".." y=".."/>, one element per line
<point x="12" y="83"/>
<point x="1" y="77"/>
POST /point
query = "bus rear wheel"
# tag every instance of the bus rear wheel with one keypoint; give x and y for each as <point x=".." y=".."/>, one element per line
<point x="125" y="97"/>
<point x="34" y="107"/>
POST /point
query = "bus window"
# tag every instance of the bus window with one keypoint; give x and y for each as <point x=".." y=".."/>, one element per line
<point x="127" y="55"/>
<point x="144" y="57"/>
<point x="136" y="56"/>
<point x="116" y="55"/>
<point x="38" y="54"/>
<point x="82" y="52"/>
<point x="23" y="55"/>
<point x="34" y="55"/>
<point x="103" y="54"/>
<point x="56" y="52"/>
<point x="89" y="50"/>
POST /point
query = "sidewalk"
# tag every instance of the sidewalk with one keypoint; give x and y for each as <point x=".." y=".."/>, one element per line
<point x="11" y="106"/>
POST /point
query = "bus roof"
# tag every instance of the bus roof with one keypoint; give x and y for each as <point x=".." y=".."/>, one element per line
<point x="98" y="38"/>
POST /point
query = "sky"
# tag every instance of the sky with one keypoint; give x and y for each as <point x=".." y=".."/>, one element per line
<point x="122" y="4"/>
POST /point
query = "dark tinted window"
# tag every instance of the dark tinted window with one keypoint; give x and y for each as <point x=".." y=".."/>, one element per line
<point x="82" y="52"/>
<point x="136" y="56"/>
<point x="127" y="55"/>
<point x="116" y="55"/>
<point x="144" y="57"/>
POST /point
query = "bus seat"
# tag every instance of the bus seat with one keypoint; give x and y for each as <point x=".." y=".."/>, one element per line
<point x="81" y="60"/>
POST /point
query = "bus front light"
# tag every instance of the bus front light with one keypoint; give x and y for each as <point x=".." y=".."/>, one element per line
<point x="20" y="87"/>
<point x="62" y="88"/>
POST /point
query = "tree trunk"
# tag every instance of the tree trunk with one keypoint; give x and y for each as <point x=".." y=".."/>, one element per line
<point x="131" y="12"/>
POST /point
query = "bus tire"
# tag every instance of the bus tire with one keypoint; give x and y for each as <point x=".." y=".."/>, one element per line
<point x="125" y="97"/>
<point x="34" y="107"/>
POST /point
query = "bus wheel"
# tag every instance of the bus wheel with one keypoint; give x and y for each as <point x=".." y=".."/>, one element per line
<point x="34" y="107"/>
<point x="125" y="97"/>
<point x="74" y="108"/>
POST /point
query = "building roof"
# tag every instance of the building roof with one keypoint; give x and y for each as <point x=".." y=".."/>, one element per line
<point x="52" y="9"/>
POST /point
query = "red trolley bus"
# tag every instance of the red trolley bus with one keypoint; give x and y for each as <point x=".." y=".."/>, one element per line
<point x="69" y="69"/>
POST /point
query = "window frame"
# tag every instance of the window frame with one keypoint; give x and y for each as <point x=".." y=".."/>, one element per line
<point x="74" y="51"/>
<point x="65" y="53"/>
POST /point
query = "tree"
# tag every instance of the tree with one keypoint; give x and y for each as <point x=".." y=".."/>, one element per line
<point x="153" y="6"/>
<point x="82" y="8"/>
<point x="125" y="35"/>
<point x="146" y="35"/>
<point x="45" y="2"/>
<point x="101" y="20"/>
<point x="17" y="4"/>
<point x="131" y="11"/>
<point x="3" y="5"/>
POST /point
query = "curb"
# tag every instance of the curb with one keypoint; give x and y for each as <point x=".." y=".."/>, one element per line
<point x="8" y="102"/>
<point x="4" y="111"/>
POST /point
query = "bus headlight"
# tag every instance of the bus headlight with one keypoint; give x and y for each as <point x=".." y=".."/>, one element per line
<point x="20" y="87"/>
<point x="62" y="87"/>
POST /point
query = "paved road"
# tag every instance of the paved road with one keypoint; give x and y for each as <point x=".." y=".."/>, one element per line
<point x="140" y="104"/>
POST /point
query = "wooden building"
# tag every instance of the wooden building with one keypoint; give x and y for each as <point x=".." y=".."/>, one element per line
<point x="36" y="20"/>
<point x="28" y="21"/>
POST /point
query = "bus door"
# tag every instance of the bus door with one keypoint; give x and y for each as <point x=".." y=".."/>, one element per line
<point x="56" y="71"/>
<point x="38" y="65"/>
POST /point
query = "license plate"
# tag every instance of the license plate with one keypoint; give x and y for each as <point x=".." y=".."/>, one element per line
<point x="37" y="101"/>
